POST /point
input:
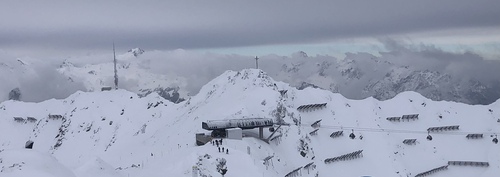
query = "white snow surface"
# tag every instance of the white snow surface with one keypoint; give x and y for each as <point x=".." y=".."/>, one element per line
<point x="25" y="162"/>
<point x="116" y="133"/>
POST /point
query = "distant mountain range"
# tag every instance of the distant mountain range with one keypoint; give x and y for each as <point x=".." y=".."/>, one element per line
<point x="368" y="76"/>
<point x="357" y="76"/>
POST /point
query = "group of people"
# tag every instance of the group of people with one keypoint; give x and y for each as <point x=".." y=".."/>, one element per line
<point x="218" y="143"/>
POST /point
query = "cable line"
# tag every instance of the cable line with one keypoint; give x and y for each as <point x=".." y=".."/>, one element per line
<point x="365" y="129"/>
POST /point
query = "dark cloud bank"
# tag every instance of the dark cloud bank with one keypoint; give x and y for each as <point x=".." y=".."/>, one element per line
<point x="167" y="25"/>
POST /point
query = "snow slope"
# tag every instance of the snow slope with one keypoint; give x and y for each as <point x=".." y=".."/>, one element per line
<point x="116" y="133"/>
<point x="31" y="163"/>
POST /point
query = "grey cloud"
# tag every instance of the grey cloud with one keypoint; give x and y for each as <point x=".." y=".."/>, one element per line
<point x="464" y="65"/>
<point x="47" y="83"/>
<point x="37" y="79"/>
<point x="199" y="24"/>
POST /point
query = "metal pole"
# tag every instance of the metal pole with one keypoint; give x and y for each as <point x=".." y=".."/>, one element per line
<point x="256" y="62"/>
<point x="116" y="72"/>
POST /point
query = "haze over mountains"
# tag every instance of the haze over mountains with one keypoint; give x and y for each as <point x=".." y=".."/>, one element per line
<point x="176" y="75"/>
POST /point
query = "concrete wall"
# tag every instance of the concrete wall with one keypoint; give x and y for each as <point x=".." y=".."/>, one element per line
<point x="234" y="133"/>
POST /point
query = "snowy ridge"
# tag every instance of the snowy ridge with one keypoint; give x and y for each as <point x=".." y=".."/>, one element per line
<point x="150" y="136"/>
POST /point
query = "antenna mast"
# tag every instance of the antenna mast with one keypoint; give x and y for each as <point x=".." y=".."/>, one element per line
<point x="116" y="72"/>
<point x="256" y="62"/>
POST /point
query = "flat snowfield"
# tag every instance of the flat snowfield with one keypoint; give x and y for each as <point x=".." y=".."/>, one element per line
<point x="118" y="134"/>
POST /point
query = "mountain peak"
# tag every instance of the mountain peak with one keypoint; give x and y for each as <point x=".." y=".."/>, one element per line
<point x="136" y="51"/>
<point x="245" y="77"/>
<point x="232" y="83"/>
<point x="300" y="54"/>
<point x="66" y="64"/>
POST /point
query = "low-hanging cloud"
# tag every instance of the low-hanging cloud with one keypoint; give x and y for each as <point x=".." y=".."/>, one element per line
<point x="428" y="57"/>
<point x="37" y="80"/>
<point x="198" y="68"/>
<point x="47" y="83"/>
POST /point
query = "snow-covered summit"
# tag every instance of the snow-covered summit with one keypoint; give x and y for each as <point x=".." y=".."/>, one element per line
<point x="136" y="51"/>
<point x="238" y="81"/>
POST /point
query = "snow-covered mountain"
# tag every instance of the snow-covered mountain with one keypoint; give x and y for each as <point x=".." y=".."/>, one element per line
<point x="117" y="133"/>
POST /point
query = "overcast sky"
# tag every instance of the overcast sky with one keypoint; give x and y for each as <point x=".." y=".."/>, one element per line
<point x="65" y="28"/>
